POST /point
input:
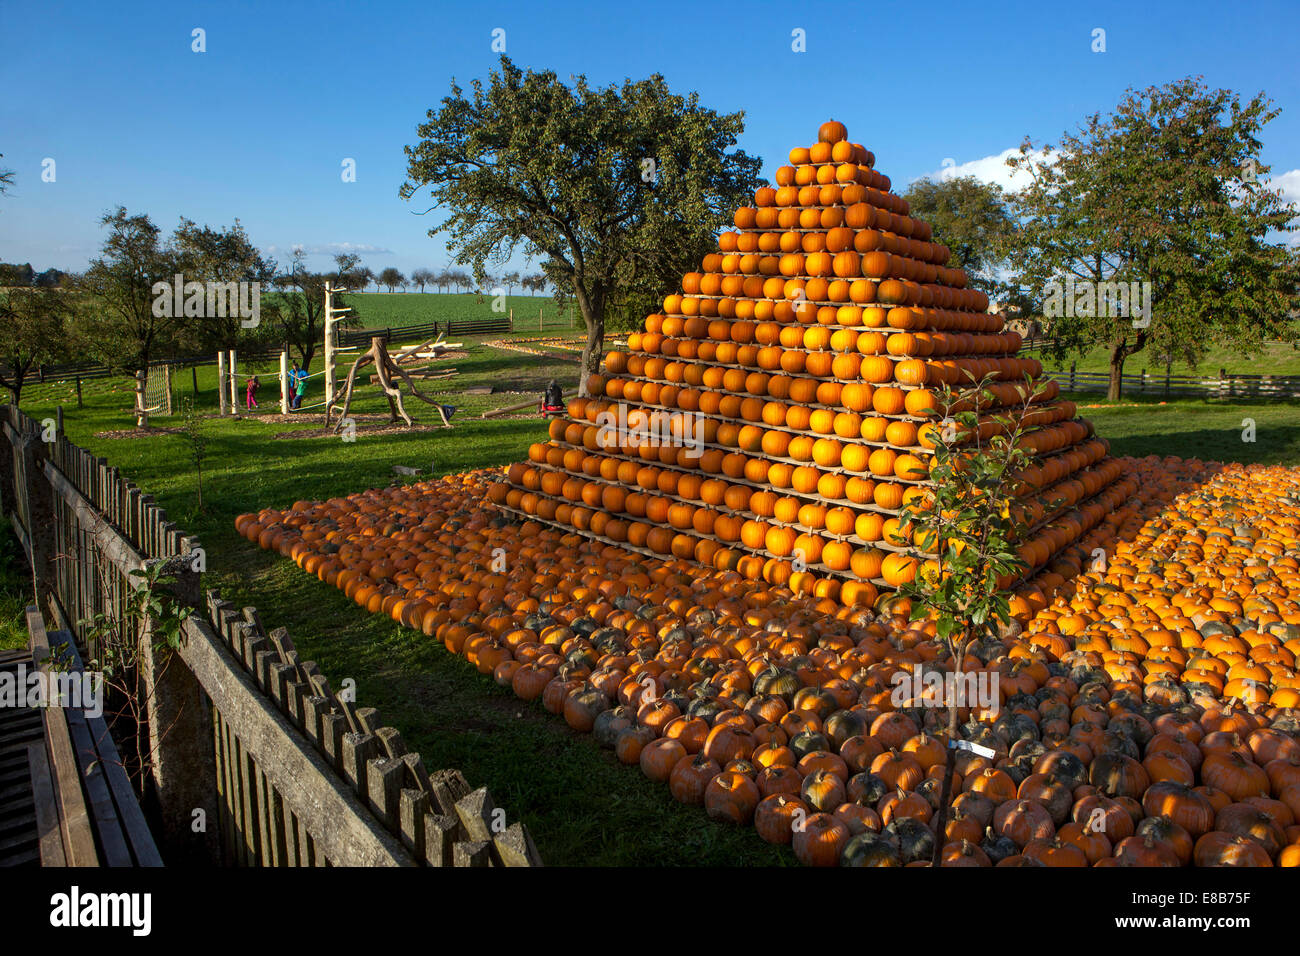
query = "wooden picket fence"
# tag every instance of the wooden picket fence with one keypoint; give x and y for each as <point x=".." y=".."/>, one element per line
<point x="292" y="772"/>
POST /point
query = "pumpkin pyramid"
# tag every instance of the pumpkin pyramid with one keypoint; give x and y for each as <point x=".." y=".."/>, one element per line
<point x="775" y="417"/>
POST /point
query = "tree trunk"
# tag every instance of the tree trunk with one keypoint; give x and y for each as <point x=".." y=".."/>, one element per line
<point x="593" y="316"/>
<point x="945" y="791"/>
<point x="1116" y="384"/>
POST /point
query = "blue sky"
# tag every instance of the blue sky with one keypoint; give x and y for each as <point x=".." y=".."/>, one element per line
<point x="257" y="126"/>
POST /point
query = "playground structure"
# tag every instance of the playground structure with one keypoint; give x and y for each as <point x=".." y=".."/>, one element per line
<point x="387" y="369"/>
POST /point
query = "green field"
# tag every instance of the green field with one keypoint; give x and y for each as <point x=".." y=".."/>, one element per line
<point x="580" y="804"/>
<point x="1276" y="358"/>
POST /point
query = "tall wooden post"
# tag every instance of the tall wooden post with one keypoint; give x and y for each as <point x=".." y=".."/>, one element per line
<point x="332" y="315"/>
<point x="141" y="412"/>
<point x="167" y="382"/>
<point x="284" y="382"/>
<point x="221" y="382"/>
<point x="234" y="385"/>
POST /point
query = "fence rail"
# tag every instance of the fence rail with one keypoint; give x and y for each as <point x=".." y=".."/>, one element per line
<point x="235" y="722"/>
<point x="410" y="333"/>
<point x="1171" y="386"/>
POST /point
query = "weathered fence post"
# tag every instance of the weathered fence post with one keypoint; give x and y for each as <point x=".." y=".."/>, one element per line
<point x="1142" y="385"/>
<point x="234" y="385"/>
<point x="221" y="382"/>
<point x="1167" y="368"/>
<point x="1072" y="376"/>
<point x="79" y="391"/>
<point x="181" y="753"/>
<point x="167" y="384"/>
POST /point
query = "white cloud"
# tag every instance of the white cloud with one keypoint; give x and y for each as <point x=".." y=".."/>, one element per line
<point x="1289" y="183"/>
<point x="989" y="169"/>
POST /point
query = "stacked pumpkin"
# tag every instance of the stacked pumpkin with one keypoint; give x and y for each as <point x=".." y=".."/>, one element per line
<point x="1147" y="715"/>
<point x="782" y="408"/>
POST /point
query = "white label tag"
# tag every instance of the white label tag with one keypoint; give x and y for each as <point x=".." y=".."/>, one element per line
<point x="973" y="748"/>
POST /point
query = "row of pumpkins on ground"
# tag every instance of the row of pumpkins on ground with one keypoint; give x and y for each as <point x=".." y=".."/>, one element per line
<point x="1122" y="738"/>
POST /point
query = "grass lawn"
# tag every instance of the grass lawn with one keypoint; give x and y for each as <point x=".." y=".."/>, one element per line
<point x="1197" y="428"/>
<point x="580" y="804"/>
<point x="1276" y="358"/>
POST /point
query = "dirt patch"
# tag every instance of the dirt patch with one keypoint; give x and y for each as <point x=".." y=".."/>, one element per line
<point x="149" y="432"/>
<point x="382" y="428"/>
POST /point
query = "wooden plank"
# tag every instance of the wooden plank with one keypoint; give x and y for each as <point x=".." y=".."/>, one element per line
<point x="343" y="827"/>
<point x="77" y="833"/>
<point x="412" y="807"/>
<point x="135" y="827"/>
<point x="278" y="841"/>
<point x="248" y="801"/>
<point x="223" y="785"/>
<point x="47" y="809"/>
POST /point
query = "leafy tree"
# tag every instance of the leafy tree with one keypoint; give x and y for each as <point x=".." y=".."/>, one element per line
<point x="6" y="179"/>
<point x="511" y="279"/>
<point x="196" y="440"/>
<point x="969" y="525"/>
<point x="616" y="190"/>
<point x="298" y="314"/>
<point x="33" y="332"/>
<point x="392" y="278"/>
<point x="973" y="220"/>
<point x="50" y="278"/>
<point x="205" y="254"/>
<point x="461" y="280"/>
<point x="422" y="277"/>
<point x="12" y="274"/>
<point x="123" y="332"/>
<point x="1166" y="190"/>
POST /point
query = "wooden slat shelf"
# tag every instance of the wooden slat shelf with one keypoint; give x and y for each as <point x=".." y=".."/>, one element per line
<point x="814" y="498"/>
<point x="909" y="449"/>
<point x="901" y="417"/>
